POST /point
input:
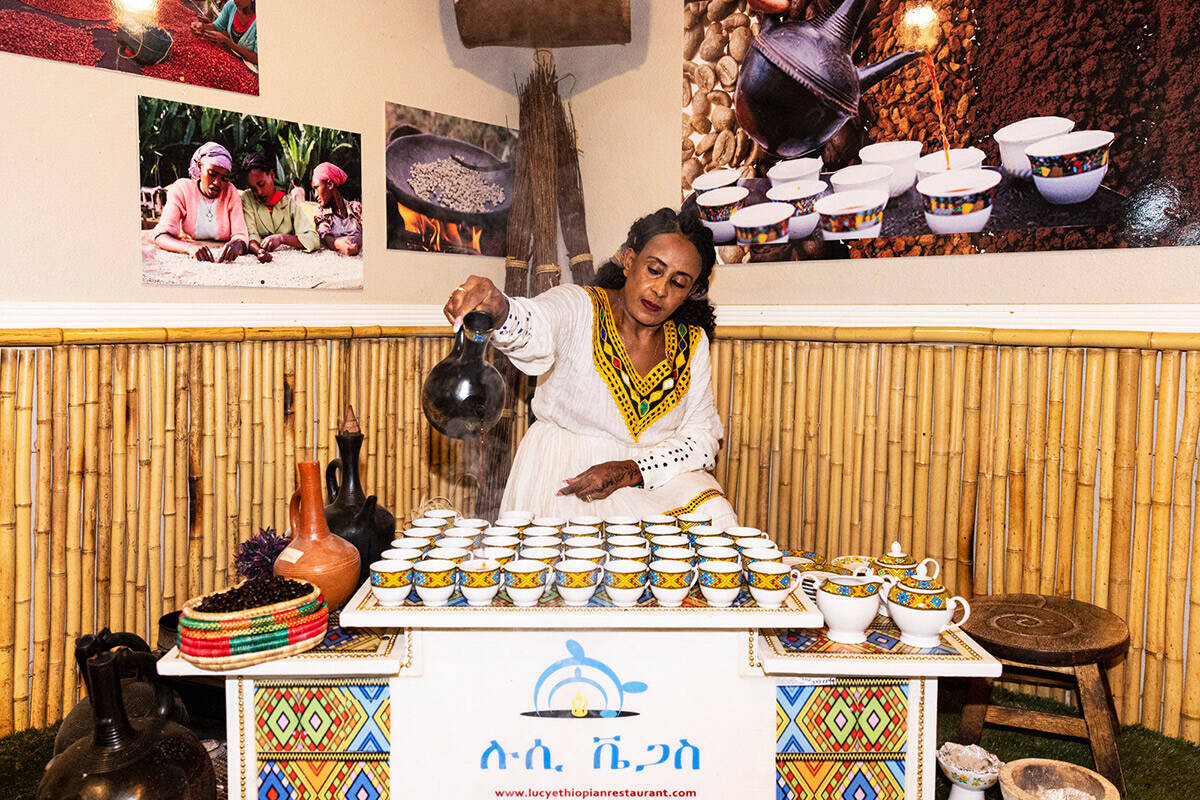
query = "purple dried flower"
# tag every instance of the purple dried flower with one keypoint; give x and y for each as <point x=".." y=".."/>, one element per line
<point x="256" y="556"/>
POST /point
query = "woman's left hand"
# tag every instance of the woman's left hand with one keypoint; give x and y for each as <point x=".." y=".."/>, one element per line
<point x="598" y="482"/>
<point x="232" y="250"/>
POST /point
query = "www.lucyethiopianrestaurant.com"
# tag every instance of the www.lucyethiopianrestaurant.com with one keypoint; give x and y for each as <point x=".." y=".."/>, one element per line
<point x="584" y="794"/>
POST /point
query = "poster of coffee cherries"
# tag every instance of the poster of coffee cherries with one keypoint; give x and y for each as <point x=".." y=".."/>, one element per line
<point x="818" y="129"/>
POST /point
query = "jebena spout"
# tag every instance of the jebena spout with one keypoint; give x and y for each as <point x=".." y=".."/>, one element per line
<point x="872" y="74"/>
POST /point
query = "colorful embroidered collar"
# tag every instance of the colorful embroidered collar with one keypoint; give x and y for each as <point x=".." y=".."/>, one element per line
<point x="640" y="399"/>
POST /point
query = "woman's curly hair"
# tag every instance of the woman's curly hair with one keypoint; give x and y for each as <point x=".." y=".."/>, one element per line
<point x="696" y="310"/>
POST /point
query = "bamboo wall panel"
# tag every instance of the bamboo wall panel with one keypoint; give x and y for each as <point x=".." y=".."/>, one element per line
<point x="131" y="469"/>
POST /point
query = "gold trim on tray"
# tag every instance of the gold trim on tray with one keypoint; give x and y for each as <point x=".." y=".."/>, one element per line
<point x="965" y="653"/>
<point x="370" y="603"/>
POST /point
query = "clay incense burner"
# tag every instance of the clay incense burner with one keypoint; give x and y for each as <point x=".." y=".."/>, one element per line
<point x="799" y="85"/>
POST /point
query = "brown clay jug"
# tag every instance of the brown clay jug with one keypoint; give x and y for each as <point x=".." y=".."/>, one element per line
<point x="315" y="554"/>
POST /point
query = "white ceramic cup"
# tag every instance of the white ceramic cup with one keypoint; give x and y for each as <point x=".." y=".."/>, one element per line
<point x="1077" y="185"/>
<point x="865" y="177"/>
<point x="713" y="577"/>
<point x="685" y="554"/>
<point x="901" y="157"/>
<point x="762" y="577"/>
<point x="670" y="582"/>
<point x="577" y="580"/>
<point x="708" y="181"/>
<point x="801" y="195"/>
<point x="846" y="617"/>
<point x="391" y="581"/>
<point x="525" y="581"/>
<point x="960" y="201"/>
<point x="479" y="588"/>
<point x="960" y="158"/>
<point x="429" y="579"/>
<point x="922" y="627"/>
<point x="625" y="582"/>
<point x="1015" y="137"/>
<point x="402" y="554"/>
<point x="794" y="169"/>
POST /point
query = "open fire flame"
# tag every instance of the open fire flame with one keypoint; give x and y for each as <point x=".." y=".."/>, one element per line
<point x="579" y="705"/>
<point x="435" y="235"/>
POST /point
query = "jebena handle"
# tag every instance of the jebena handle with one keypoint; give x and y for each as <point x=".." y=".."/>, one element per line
<point x="966" y="607"/>
<point x="294" y="512"/>
<point x="932" y="571"/>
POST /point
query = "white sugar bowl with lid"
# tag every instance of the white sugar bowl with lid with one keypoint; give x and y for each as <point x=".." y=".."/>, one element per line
<point x="923" y="609"/>
<point x="894" y="566"/>
<point x="848" y="603"/>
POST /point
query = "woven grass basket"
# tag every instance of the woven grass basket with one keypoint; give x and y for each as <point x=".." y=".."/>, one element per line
<point x="202" y="629"/>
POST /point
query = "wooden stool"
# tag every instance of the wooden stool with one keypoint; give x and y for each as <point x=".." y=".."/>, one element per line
<point x="1047" y="638"/>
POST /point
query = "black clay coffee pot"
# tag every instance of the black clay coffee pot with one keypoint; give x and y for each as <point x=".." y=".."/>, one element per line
<point x="464" y="394"/>
<point x="799" y="85"/>
<point x="149" y="759"/>
<point x="351" y="514"/>
<point x="140" y="688"/>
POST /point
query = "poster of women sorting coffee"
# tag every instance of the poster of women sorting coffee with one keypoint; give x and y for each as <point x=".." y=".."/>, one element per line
<point x="211" y="43"/>
<point x="817" y="129"/>
<point x="231" y="199"/>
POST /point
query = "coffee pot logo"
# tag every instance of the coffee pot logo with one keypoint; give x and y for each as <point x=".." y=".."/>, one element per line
<point x="580" y="687"/>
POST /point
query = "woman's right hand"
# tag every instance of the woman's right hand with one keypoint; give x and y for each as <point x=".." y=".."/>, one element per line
<point x="202" y="253"/>
<point x="476" y="294"/>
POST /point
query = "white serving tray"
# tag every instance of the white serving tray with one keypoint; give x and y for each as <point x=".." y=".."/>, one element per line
<point x="363" y="610"/>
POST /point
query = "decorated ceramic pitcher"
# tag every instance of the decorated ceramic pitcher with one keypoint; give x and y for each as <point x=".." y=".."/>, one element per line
<point x="894" y="566"/>
<point x="923" y="609"/>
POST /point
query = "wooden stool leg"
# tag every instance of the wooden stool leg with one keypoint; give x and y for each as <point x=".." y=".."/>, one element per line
<point x="979" y="696"/>
<point x="1102" y="732"/>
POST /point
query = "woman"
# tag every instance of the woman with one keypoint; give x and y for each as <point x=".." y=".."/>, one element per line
<point x="204" y="206"/>
<point x="235" y="29"/>
<point x="626" y="423"/>
<point x="338" y="221"/>
<point x="273" y="219"/>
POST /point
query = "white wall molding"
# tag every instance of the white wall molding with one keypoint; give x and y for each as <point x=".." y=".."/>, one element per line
<point x="1151" y="317"/>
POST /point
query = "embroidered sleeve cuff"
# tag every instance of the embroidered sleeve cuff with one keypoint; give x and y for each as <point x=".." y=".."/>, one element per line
<point x="663" y="463"/>
<point x="515" y="330"/>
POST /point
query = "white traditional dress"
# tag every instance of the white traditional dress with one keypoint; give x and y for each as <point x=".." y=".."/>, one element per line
<point x="592" y="406"/>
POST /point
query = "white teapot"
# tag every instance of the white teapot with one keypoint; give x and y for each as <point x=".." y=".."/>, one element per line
<point x="923" y="609"/>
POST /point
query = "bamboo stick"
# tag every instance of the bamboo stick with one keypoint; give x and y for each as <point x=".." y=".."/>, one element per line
<point x="104" y="512"/>
<point x="971" y="464"/>
<point x="1053" y="492"/>
<point x="233" y="436"/>
<point x="954" y="473"/>
<point x="286" y="401"/>
<point x="942" y="416"/>
<point x="895" y="436"/>
<point x="374" y="453"/>
<point x="269" y="488"/>
<point x="157" y="435"/>
<point x="1160" y="541"/>
<point x="1108" y="436"/>
<point x="8" y="539"/>
<point x="722" y="359"/>
<point x="1124" y="470"/>
<point x="831" y="451"/>
<point x="23" y="527"/>
<point x="1035" y="455"/>
<point x="812" y="415"/>
<point x="1070" y="469"/>
<point x="424" y="431"/>
<point x="391" y="427"/>
<point x="849" y="412"/>
<point x="781" y="524"/>
<point x="246" y="431"/>
<point x="409" y="439"/>
<point x="800" y="405"/>
<point x="908" y="452"/>
<point x="91" y="455"/>
<point x="170" y="600"/>
<point x="183" y="426"/>
<point x="984" y="531"/>
<point x="769" y="500"/>
<point x="752" y="436"/>
<point x="1085" y="491"/>
<point x="733" y="488"/>
<point x="284" y="481"/>
<point x="142" y="575"/>
<point x="258" y="509"/>
<point x="337" y="378"/>
<point x="208" y="453"/>
<point x="870" y="412"/>
<point x="196" y="427"/>
<point x="1181" y="525"/>
<point x="60" y="668"/>
<point x="40" y="703"/>
<point x="116" y="598"/>
<point x="879" y="499"/>
<point x="856" y="463"/>
<point x="1017" y="438"/>
<point x="132" y="496"/>
<point x="216" y="479"/>
<point x="1190" y="727"/>
<point x="924" y="447"/>
<point x="1139" y="547"/>
<point x="301" y="400"/>
<point x="74" y="558"/>
<point x="999" y="507"/>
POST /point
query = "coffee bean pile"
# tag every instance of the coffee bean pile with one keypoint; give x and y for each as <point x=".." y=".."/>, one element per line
<point x="32" y="34"/>
<point x="447" y="183"/>
<point x="255" y="593"/>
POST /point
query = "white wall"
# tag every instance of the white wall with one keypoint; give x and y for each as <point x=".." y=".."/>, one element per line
<point x="69" y="154"/>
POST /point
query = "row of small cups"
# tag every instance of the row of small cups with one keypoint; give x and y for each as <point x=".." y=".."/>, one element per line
<point x="526" y="580"/>
<point x="441" y="519"/>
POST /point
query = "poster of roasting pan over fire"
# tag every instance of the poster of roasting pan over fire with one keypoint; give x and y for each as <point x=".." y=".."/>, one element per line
<point x="449" y="182"/>
<point x="817" y="129"/>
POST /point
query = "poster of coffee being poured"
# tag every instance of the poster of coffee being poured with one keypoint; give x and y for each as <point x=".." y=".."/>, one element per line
<point x="449" y="182"/>
<point x="818" y="129"/>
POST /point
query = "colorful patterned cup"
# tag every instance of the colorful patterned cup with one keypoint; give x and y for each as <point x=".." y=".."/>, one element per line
<point x="587" y="520"/>
<point x="479" y="580"/>
<point x="663" y="529"/>
<point x="684" y="554"/>
<point x="518" y="514"/>
<point x="577" y="580"/>
<point x="447" y="514"/>
<point x="430" y="524"/>
<point x="502" y="530"/>
<point x="720" y="554"/>
<point x="670" y="582"/>
<point x="762" y="554"/>
<point x="391" y="581"/>
<point x="656" y="519"/>
<point x="583" y="541"/>
<point x="541" y="530"/>
<point x="593" y="554"/>
<point x="474" y="524"/>
<point x="1070" y="168"/>
<point x="500" y="554"/>
<point x="762" y="223"/>
<point x="613" y="531"/>
<point x="627" y="541"/>
<point x="580" y="530"/>
<point x="669" y="540"/>
<point x="501" y="541"/>
<point x="640" y="554"/>
<point x="412" y="543"/>
<point x="455" y="554"/>
<point x="547" y="555"/>
<point x="770" y="582"/>
<point x="434" y="580"/>
<point x="525" y="581"/>
<point x="742" y="531"/>
<point x="402" y="554"/>
<point x="713" y="541"/>
<point x="717" y="206"/>
<point x="959" y="201"/>
<point x="625" y="582"/>
<point x="457" y="541"/>
<point x="542" y="541"/>
<point x="857" y="214"/>
<point x="620" y="521"/>
<point x="691" y="519"/>
<point x="516" y="523"/>
<point x="720" y="582"/>
<point x="558" y="523"/>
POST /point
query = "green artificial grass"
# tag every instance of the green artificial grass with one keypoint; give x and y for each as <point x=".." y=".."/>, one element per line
<point x="1156" y="767"/>
<point x="23" y="756"/>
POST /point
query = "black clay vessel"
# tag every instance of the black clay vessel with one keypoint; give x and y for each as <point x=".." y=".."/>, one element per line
<point x="138" y="690"/>
<point x="464" y="394"/>
<point x="351" y="514"/>
<point x="148" y="759"/>
<point x="799" y="85"/>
